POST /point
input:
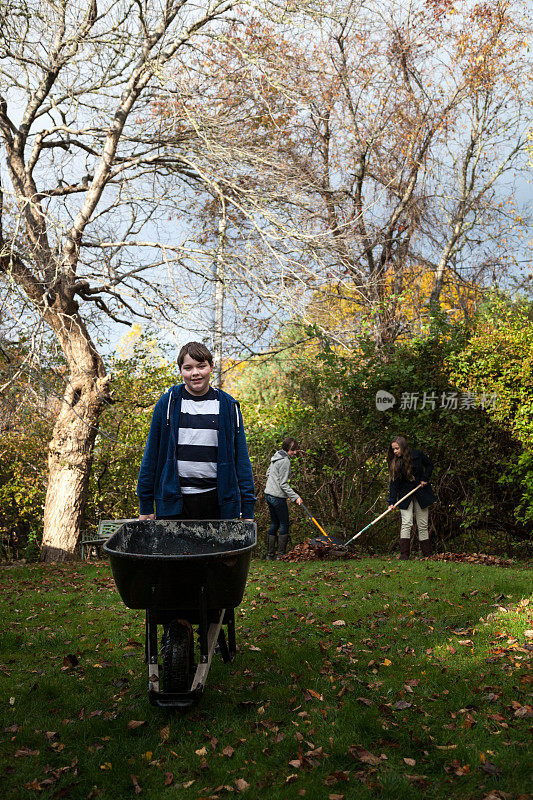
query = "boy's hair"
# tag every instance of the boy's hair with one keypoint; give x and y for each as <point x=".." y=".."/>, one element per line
<point x="289" y="444"/>
<point x="195" y="350"/>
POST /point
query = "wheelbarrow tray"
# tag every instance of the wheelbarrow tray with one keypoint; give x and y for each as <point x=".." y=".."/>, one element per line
<point x="163" y="563"/>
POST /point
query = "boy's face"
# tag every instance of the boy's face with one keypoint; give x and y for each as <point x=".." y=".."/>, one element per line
<point x="195" y="375"/>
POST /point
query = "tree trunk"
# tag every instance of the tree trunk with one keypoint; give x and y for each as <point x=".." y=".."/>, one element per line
<point x="71" y="449"/>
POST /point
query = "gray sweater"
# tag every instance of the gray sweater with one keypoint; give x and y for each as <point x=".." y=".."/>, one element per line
<point x="278" y="475"/>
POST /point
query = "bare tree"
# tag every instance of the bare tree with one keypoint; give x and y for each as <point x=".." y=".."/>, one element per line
<point x="76" y="76"/>
<point x="373" y="150"/>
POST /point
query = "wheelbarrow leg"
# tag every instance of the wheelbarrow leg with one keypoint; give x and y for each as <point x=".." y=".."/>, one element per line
<point x="232" y="644"/>
<point x="211" y="636"/>
<point x="223" y="646"/>
<point x="203" y="627"/>
<point x="151" y="653"/>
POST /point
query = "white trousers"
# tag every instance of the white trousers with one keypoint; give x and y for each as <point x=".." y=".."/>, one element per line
<point x="422" y="517"/>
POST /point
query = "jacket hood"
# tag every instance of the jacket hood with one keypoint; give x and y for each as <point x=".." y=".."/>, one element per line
<point x="176" y="392"/>
<point x="278" y="456"/>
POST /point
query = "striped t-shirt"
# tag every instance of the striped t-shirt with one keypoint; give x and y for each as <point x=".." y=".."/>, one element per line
<point x="198" y="442"/>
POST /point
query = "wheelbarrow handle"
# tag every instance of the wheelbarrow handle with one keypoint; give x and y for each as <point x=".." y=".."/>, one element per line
<point x="391" y="508"/>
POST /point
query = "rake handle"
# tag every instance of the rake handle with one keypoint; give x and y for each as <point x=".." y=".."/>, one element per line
<point x="384" y="514"/>
<point x="315" y="522"/>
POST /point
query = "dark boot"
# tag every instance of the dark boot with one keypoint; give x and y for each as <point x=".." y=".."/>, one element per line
<point x="282" y="544"/>
<point x="271" y="548"/>
<point x="425" y="547"/>
<point x="405" y="549"/>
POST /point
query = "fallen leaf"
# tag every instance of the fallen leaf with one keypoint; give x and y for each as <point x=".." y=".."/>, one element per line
<point x="201" y="752"/>
<point x="25" y="751"/>
<point x="70" y="661"/>
<point x="365" y="756"/>
<point x="523" y="711"/>
<point x="410" y="762"/>
<point x="241" y="785"/>
<point x="339" y="623"/>
<point x="228" y="751"/>
<point x="364" y="700"/>
<point x="136" y="784"/>
<point x="418" y="779"/>
<point x="136" y="723"/>
<point x="490" y="769"/>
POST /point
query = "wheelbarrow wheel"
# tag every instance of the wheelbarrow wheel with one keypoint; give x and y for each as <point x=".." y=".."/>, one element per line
<point x="177" y="653"/>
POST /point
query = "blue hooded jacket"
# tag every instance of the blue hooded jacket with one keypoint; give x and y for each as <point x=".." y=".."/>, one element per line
<point x="158" y="477"/>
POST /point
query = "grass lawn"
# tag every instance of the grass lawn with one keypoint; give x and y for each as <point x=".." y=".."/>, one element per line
<point x="361" y="679"/>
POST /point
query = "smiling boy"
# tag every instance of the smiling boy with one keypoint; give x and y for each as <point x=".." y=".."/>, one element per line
<point x="196" y="463"/>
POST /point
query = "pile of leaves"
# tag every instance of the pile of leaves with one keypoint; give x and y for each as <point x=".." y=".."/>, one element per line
<point x="319" y="550"/>
<point x="475" y="558"/>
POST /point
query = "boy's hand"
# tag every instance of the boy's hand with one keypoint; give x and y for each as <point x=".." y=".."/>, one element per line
<point x="143" y="517"/>
<point x="299" y="501"/>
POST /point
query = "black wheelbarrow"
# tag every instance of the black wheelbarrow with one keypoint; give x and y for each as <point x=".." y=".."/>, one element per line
<point x="183" y="573"/>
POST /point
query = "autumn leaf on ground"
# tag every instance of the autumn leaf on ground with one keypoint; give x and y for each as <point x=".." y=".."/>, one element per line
<point x="402" y="704"/>
<point x="314" y="694"/>
<point x="335" y="777"/>
<point x="455" y="768"/>
<point x="364" y="700"/>
<point x="136" y="785"/>
<point x="364" y="755"/>
<point x="136" y="723"/>
<point x="70" y="661"/>
<point x="25" y="751"/>
<point x="241" y="785"/>
<point x="490" y="769"/>
<point x="228" y="751"/>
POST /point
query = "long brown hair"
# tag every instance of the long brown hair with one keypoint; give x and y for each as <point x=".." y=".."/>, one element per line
<point x="400" y="466"/>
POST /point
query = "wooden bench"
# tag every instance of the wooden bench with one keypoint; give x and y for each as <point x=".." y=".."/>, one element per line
<point x="106" y="528"/>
